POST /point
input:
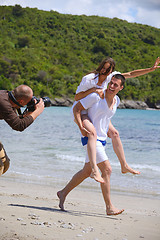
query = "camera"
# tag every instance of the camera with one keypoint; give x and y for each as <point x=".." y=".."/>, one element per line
<point x="31" y="105"/>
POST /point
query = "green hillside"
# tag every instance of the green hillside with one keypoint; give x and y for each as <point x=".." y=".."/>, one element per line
<point x="51" y="52"/>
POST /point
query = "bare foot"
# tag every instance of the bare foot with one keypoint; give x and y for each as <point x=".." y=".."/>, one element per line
<point x="126" y="169"/>
<point x="97" y="176"/>
<point x="114" y="211"/>
<point x="61" y="200"/>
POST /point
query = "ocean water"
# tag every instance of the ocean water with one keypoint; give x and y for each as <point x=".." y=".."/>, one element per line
<point x="49" y="152"/>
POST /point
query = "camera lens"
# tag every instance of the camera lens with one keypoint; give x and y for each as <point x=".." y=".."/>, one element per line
<point x="47" y="101"/>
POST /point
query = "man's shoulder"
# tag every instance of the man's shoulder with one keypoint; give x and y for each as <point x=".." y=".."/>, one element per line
<point x="94" y="96"/>
<point x="117" y="100"/>
<point x="90" y="100"/>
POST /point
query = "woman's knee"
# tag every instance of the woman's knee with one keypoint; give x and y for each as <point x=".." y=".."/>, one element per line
<point x="89" y="126"/>
<point x="92" y="132"/>
<point x="92" y="135"/>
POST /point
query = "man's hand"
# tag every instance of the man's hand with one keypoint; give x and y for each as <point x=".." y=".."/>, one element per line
<point x="112" y="131"/>
<point x="84" y="131"/>
<point x="39" y="107"/>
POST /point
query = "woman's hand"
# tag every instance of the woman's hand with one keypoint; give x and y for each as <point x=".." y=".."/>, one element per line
<point x="100" y="92"/>
<point x="156" y="64"/>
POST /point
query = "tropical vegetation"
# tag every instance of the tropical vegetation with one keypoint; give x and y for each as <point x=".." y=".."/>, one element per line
<point x="51" y="52"/>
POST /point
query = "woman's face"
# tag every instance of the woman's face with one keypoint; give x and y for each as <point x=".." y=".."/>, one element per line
<point x="105" y="70"/>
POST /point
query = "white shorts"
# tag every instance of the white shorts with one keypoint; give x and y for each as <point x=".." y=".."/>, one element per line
<point x="101" y="155"/>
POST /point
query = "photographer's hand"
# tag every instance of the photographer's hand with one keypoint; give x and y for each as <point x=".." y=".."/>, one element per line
<point x="39" y="107"/>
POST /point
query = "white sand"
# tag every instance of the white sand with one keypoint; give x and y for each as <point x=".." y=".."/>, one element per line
<point x="31" y="212"/>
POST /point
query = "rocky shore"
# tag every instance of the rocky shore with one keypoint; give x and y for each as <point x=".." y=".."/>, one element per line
<point x="125" y="104"/>
<point x="62" y="102"/>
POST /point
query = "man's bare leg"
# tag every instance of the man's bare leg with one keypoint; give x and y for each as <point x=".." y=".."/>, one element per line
<point x="91" y="148"/>
<point x="119" y="151"/>
<point x="74" y="182"/>
<point x="105" y="187"/>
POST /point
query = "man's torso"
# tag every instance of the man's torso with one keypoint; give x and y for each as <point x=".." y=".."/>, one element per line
<point x="100" y="114"/>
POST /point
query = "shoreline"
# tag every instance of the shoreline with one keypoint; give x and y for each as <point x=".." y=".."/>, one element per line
<point x="85" y="187"/>
<point x="30" y="211"/>
<point x="124" y="104"/>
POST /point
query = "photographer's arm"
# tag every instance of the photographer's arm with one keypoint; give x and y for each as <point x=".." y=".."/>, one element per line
<point x="14" y="121"/>
<point x="140" y="72"/>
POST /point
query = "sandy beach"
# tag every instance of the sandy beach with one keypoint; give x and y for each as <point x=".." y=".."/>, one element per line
<point x="30" y="212"/>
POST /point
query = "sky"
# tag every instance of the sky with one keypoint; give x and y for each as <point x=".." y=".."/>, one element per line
<point x="139" y="11"/>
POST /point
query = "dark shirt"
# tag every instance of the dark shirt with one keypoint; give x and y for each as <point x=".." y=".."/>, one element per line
<point x="9" y="114"/>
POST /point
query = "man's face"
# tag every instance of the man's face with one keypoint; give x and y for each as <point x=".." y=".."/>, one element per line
<point x="24" y="102"/>
<point x="105" y="68"/>
<point x="114" y="86"/>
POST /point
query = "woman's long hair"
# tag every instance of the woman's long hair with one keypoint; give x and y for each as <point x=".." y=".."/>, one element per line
<point x="101" y="65"/>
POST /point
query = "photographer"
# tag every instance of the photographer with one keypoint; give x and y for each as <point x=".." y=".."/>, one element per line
<point x="10" y="104"/>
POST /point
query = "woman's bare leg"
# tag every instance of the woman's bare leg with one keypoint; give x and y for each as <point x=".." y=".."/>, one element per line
<point x="91" y="148"/>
